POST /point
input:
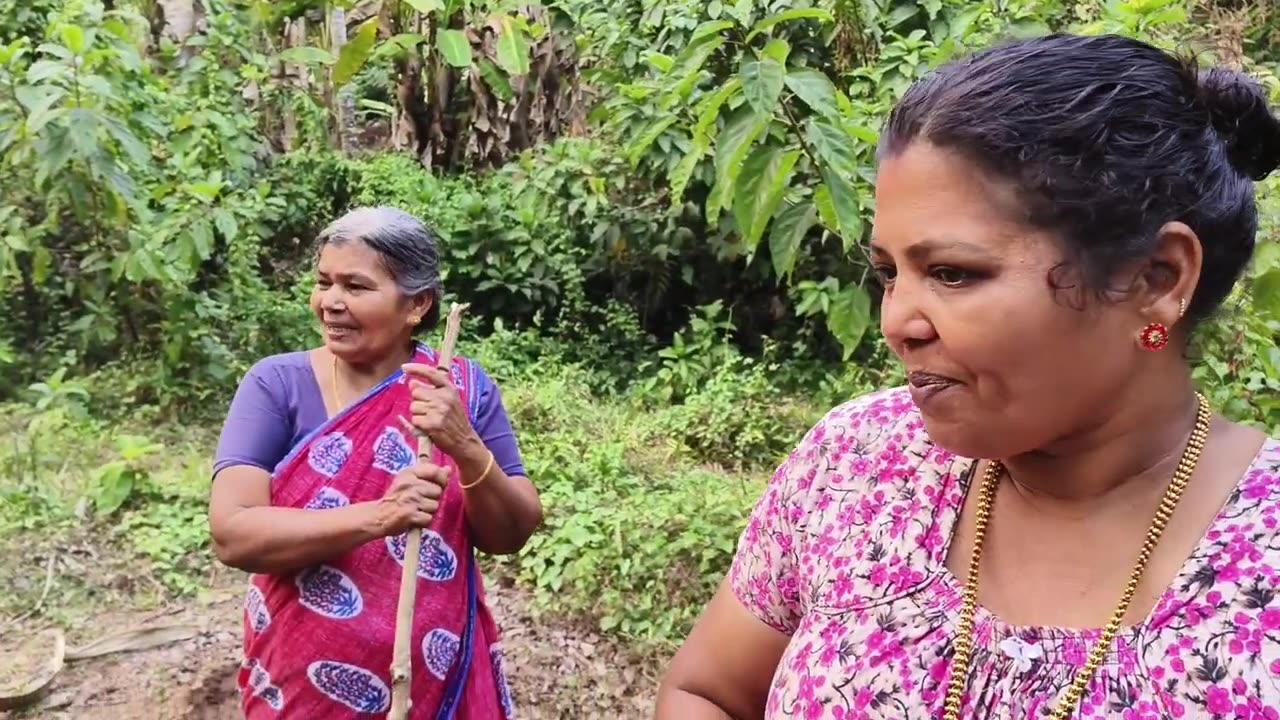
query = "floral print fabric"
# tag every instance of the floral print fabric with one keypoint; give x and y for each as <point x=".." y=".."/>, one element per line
<point x="845" y="553"/>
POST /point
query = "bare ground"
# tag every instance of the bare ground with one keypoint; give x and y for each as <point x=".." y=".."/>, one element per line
<point x="559" y="669"/>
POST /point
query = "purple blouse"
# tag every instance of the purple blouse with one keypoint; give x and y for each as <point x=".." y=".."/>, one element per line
<point x="279" y="403"/>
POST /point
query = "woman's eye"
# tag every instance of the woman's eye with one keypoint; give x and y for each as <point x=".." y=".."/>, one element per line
<point x="885" y="273"/>
<point x="951" y="276"/>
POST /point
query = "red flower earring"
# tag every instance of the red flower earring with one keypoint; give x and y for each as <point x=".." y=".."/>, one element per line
<point x="1156" y="335"/>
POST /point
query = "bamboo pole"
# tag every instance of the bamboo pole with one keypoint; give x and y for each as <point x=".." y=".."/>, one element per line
<point x="401" y="657"/>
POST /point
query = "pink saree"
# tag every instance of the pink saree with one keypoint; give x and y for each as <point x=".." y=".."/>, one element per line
<point x="318" y="643"/>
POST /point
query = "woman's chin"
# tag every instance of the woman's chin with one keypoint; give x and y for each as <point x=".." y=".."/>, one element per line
<point x="965" y="439"/>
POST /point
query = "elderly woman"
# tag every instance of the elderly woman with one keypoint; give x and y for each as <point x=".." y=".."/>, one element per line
<point x="317" y="481"/>
<point x="1049" y="521"/>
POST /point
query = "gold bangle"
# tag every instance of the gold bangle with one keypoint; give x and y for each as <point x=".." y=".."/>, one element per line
<point x="483" y="475"/>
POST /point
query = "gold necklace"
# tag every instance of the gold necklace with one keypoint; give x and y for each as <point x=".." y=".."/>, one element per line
<point x="969" y="604"/>
<point x="337" y="399"/>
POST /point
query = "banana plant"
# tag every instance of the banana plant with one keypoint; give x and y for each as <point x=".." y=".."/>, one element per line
<point x="477" y="81"/>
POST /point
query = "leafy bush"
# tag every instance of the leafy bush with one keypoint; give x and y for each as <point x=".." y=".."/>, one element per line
<point x="505" y="257"/>
<point x="636" y="535"/>
<point x="739" y="417"/>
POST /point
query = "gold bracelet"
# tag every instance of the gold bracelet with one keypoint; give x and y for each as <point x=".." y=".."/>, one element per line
<point x="483" y="475"/>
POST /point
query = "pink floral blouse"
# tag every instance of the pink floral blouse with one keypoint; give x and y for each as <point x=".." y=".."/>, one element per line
<point x="845" y="553"/>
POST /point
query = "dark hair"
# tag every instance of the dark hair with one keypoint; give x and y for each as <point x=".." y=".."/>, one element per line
<point x="405" y="245"/>
<point x="1107" y="139"/>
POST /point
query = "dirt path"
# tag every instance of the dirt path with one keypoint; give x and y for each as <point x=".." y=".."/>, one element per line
<point x="557" y="670"/>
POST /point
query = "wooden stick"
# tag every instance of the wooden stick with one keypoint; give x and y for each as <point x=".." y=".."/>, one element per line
<point x="401" y="658"/>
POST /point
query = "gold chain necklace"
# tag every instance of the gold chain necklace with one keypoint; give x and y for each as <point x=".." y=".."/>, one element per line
<point x="969" y="604"/>
<point x="337" y="399"/>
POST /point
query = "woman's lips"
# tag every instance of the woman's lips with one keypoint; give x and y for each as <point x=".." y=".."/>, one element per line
<point x="925" y="387"/>
<point x="338" y="332"/>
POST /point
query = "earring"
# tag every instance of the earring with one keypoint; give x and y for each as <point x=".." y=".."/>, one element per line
<point x="1154" y="336"/>
<point x="414" y="320"/>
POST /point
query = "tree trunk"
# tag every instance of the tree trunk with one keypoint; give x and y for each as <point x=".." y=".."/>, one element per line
<point x="344" y="105"/>
<point x="180" y="19"/>
<point x="295" y="77"/>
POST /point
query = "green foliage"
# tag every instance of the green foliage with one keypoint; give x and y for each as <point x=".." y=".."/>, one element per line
<point x="498" y="251"/>
<point x="669" y="293"/>
<point x="143" y="216"/>
<point x="635" y="535"/>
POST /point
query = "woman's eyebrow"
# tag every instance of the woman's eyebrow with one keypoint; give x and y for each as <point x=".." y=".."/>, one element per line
<point x="923" y="249"/>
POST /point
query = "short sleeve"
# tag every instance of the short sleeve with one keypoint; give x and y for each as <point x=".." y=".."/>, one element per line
<point x="257" y="428"/>
<point x="857" y="446"/>
<point x="765" y="572"/>
<point x="494" y="427"/>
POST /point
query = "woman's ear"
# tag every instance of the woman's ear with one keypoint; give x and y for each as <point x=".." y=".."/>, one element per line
<point x="420" y="306"/>
<point x="1169" y="279"/>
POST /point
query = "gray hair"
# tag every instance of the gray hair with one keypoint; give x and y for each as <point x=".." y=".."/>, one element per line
<point x="405" y="244"/>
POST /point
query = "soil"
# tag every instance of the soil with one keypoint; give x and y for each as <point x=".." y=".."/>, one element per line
<point x="557" y="669"/>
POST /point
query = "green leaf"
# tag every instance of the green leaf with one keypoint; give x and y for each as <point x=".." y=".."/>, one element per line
<point x="226" y="224"/>
<point x="396" y="45"/>
<point x="660" y="62"/>
<point x="901" y="14"/>
<point x="129" y="142"/>
<point x="679" y="177"/>
<point x="778" y="49"/>
<point x="642" y="142"/>
<point x="787" y="16"/>
<point x="455" y="48"/>
<point x="687" y="71"/>
<point x="764" y="177"/>
<point x="426" y="7"/>
<point x="833" y="145"/>
<point x="762" y="81"/>
<point x="112" y="487"/>
<point x="73" y="37"/>
<point x="844" y="203"/>
<point x="206" y="191"/>
<point x="513" y="48"/>
<point x="710" y="27"/>
<point x="496" y="80"/>
<point x="307" y="55"/>
<point x="732" y="146"/>
<point x="788" y="231"/>
<point x="964" y="20"/>
<point x="826" y="208"/>
<point x="202" y="238"/>
<point x="355" y="53"/>
<point x="815" y="89"/>
<point x="849" y="317"/>
<point x="38" y="97"/>
<point x="708" y="108"/>
<point x="40" y="110"/>
<point x="1266" y="293"/>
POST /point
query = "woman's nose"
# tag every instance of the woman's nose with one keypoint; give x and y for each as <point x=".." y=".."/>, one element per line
<point x="332" y="298"/>
<point x="903" y="320"/>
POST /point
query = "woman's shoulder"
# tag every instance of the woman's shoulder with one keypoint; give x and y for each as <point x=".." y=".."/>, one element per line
<point x="876" y="443"/>
<point x="281" y="365"/>
<point x="877" y="422"/>
<point x="871" y="414"/>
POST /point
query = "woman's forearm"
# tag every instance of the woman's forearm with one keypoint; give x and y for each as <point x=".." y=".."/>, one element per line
<point x="278" y="540"/>
<point x="502" y="511"/>
<point x="677" y="704"/>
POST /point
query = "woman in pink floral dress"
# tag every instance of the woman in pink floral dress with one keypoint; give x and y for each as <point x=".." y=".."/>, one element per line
<point x="1049" y="520"/>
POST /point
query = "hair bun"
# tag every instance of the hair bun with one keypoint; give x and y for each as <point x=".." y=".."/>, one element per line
<point x="1238" y="112"/>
